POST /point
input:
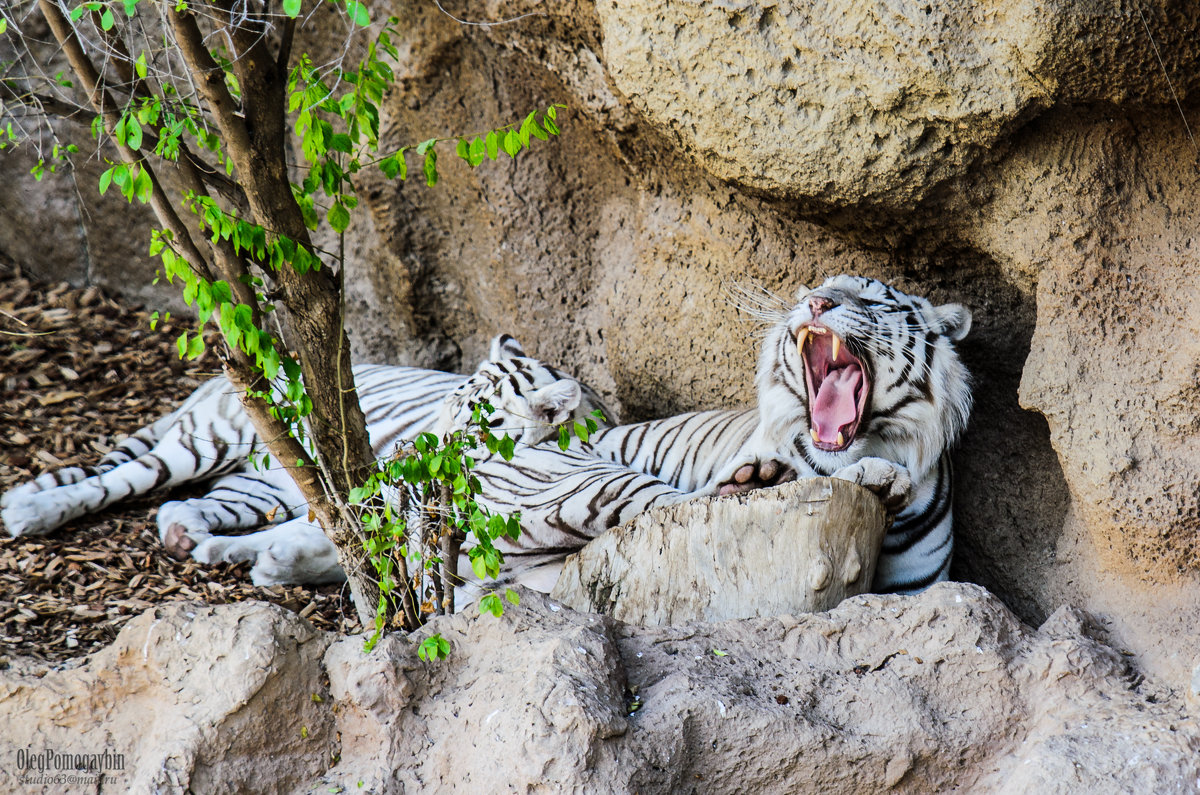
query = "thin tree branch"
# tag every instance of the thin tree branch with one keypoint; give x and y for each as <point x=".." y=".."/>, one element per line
<point x="107" y="108"/>
<point x="212" y="79"/>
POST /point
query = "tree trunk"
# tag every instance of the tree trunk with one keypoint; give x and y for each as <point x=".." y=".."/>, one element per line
<point x="800" y="547"/>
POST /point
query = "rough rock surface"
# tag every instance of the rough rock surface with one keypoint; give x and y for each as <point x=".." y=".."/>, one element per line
<point x="800" y="547"/>
<point x="918" y="694"/>
<point x="864" y="103"/>
<point x="192" y="698"/>
<point x="1062" y="213"/>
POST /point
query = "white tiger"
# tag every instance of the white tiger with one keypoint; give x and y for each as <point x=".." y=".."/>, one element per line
<point x="858" y="381"/>
<point x="210" y="437"/>
<point x="565" y="498"/>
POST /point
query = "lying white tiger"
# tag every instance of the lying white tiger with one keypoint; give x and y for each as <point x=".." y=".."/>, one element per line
<point x="878" y="367"/>
<point x="857" y="381"/>
<point x="566" y="498"/>
<point x="889" y="397"/>
<point x="210" y="436"/>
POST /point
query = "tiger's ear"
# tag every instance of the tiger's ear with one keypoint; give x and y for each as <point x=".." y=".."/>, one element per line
<point x="953" y="320"/>
<point x="554" y="404"/>
<point x="504" y="346"/>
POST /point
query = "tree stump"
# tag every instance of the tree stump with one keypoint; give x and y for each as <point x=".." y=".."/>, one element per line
<point x="800" y="547"/>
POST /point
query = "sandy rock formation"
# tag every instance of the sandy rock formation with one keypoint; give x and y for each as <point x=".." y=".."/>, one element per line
<point x="865" y="103"/>
<point x="215" y="699"/>
<point x="919" y="694"/>
<point x="801" y="547"/>
<point x="1027" y="159"/>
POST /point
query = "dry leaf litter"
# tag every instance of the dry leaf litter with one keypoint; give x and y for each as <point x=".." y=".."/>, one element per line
<point x="78" y="370"/>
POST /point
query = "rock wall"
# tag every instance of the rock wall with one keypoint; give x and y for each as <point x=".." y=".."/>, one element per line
<point x="1034" y="160"/>
<point x="947" y="690"/>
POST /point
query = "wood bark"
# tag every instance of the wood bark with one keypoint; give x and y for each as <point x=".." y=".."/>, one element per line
<point x="800" y="547"/>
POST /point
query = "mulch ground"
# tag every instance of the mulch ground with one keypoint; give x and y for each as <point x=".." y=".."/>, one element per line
<point x="78" y="370"/>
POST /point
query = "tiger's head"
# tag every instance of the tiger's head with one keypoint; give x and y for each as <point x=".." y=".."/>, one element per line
<point x="530" y="398"/>
<point x="857" y="368"/>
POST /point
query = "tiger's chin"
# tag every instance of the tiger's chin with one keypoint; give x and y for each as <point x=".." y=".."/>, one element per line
<point x="838" y="384"/>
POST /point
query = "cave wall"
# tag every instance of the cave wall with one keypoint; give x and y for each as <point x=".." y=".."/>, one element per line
<point x="1027" y="159"/>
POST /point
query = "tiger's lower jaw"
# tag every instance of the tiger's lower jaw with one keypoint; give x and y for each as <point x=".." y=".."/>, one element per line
<point x="840" y="444"/>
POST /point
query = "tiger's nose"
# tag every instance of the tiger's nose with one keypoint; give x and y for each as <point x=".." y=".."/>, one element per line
<point x="819" y="304"/>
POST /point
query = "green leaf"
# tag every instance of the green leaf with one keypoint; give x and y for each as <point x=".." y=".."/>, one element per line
<point x="720" y="653"/>
<point x="491" y="604"/>
<point x="358" y="13"/>
<point x="493" y="145"/>
<point x="133" y="134"/>
<point x="430" y="169"/>
<point x="195" y="346"/>
<point x="425" y="146"/>
<point x="130" y="10"/>
<point x="478" y="565"/>
<point x="507" y="447"/>
<point x="143" y="186"/>
<point x="435" y="647"/>
<point x="551" y="127"/>
<point x="139" y="65"/>
<point x="181" y="344"/>
<point x="512" y="143"/>
<point x="581" y="431"/>
<point x="291" y="8"/>
<point x="339" y="217"/>
<point x="105" y="179"/>
<point x="477" y="151"/>
<point x="463" y="149"/>
<point x="512" y="596"/>
<point x="106" y="19"/>
<point x="564" y="437"/>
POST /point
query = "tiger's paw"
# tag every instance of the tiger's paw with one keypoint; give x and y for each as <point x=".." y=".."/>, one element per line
<point x="889" y="481"/>
<point x="180" y="541"/>
<point x="756" y="475"/>
<point x="223" y="549"/>
<point x="298" y="562"/>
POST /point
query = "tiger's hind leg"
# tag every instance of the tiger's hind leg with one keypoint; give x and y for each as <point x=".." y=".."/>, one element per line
<point x="239" y="500"/>
<point x="293" y="553"/>
<point x="129" y="448"/>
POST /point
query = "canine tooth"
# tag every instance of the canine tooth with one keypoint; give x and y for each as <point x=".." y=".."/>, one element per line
<point x="801" y="338"/>
<point x="813" y="431"/>
<point x="841" y="439"/>
<point x="837" y="345"/>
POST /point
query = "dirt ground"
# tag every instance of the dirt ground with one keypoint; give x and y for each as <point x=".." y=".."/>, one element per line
<point x="77" y="371"/>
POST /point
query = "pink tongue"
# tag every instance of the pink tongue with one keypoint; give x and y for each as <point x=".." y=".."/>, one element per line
<point x="835" y="405"/>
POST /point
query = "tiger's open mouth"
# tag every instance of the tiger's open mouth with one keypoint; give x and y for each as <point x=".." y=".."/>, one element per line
<point x="837" y="387"/>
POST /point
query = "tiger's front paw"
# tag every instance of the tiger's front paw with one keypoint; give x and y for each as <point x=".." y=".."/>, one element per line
<point x="224" y="549"/>
<point x="889" y="481"/>
<point x="757" y="475"/>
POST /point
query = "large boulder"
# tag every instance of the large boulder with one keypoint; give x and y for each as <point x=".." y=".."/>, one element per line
<point x="945" y="690"/>
<point x="187" y="698"/>
<point x="799" y="547"/>
<point x="866" y="103"/>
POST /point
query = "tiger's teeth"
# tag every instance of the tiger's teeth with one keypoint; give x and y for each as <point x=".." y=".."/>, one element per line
<point x="841" y="440"/>
<point x="837" y="345"/>
<point x="813" y="431"/>
<point x="801" y="338"/>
